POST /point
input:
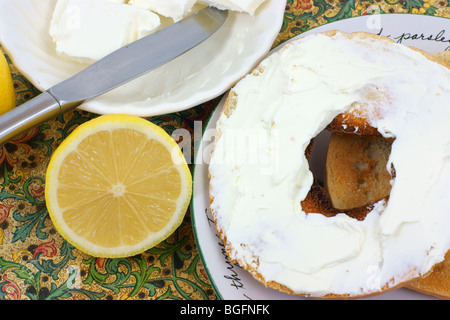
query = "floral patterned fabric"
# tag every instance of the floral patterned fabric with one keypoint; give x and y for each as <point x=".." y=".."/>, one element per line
<point x="37" y="263"/>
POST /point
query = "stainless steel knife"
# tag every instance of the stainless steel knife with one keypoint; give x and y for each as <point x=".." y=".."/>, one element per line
<point x="117" y="68"/>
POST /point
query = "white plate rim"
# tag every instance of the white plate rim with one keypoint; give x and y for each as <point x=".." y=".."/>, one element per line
<point x="209" y="124"/>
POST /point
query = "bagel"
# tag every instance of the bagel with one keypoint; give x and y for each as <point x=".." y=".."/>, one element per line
<point x="435" y="283"/>
<point x="355" y="175"/>
<point x="348" y="186"/>
<point x="355" y="170"/>
<point x="276" y="221"/>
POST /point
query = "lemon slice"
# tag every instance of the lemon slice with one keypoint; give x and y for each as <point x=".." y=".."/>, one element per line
<point x="7" y="91"/>
<point x="117" y="186"/>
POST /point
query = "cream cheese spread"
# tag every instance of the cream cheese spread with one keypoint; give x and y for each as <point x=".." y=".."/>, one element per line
<point x="87" y="30"/>
<point x="175" y="9"/>
<point x="259" y="173"/>
<point x="248" y="6"/>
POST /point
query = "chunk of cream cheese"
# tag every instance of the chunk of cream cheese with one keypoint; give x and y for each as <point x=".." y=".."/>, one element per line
<point x="248" y="6"/>
<point x="175" y="9"/>
<point x="178" y="9"/>
<point x="87" y="30"/>
<point x="259" y="173"/>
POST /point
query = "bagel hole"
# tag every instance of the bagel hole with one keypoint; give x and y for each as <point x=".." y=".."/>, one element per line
<point x="318" y="155"/>
<point x="360" y="178"/>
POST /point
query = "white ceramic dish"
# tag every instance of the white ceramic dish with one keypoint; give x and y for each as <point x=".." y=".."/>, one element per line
<point x="229" y="280"/>
<point x="201" y="74"/>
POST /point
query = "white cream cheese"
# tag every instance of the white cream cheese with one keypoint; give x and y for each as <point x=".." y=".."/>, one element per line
<point x="175" y="9"/>
<point x="87" y="30"/>
<point x="257" y="203"/>
<point x="248" y="6"/>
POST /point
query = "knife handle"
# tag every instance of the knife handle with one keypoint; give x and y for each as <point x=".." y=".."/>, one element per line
<point x="28" y="115"/>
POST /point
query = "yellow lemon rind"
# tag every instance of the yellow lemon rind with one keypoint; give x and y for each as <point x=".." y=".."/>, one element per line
<point x="7" y="90"/>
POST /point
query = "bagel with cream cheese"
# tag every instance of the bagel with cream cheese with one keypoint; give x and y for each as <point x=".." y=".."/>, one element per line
<point x="277" y="222"/>
<point x="356" y="175"/>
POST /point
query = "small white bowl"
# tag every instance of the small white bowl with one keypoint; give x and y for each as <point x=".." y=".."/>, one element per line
<point x="203" y="73"/>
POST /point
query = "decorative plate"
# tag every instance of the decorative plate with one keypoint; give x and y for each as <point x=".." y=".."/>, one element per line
<point x="229" y="280"/>
<point x="203" y="73"/>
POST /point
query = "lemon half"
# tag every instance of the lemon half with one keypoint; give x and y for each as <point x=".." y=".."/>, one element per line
<point x="117" y="186"/>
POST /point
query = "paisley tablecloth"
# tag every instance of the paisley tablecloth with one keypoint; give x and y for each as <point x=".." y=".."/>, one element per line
<point x="37" y="263"/>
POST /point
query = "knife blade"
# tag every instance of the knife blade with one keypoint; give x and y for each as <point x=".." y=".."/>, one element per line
<point x="117" y="68"/>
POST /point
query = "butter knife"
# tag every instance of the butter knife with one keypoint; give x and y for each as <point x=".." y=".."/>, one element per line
<point x="117" y="68"/>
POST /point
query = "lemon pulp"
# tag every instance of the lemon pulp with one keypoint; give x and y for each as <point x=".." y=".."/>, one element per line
<point x="117" y="186"/>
